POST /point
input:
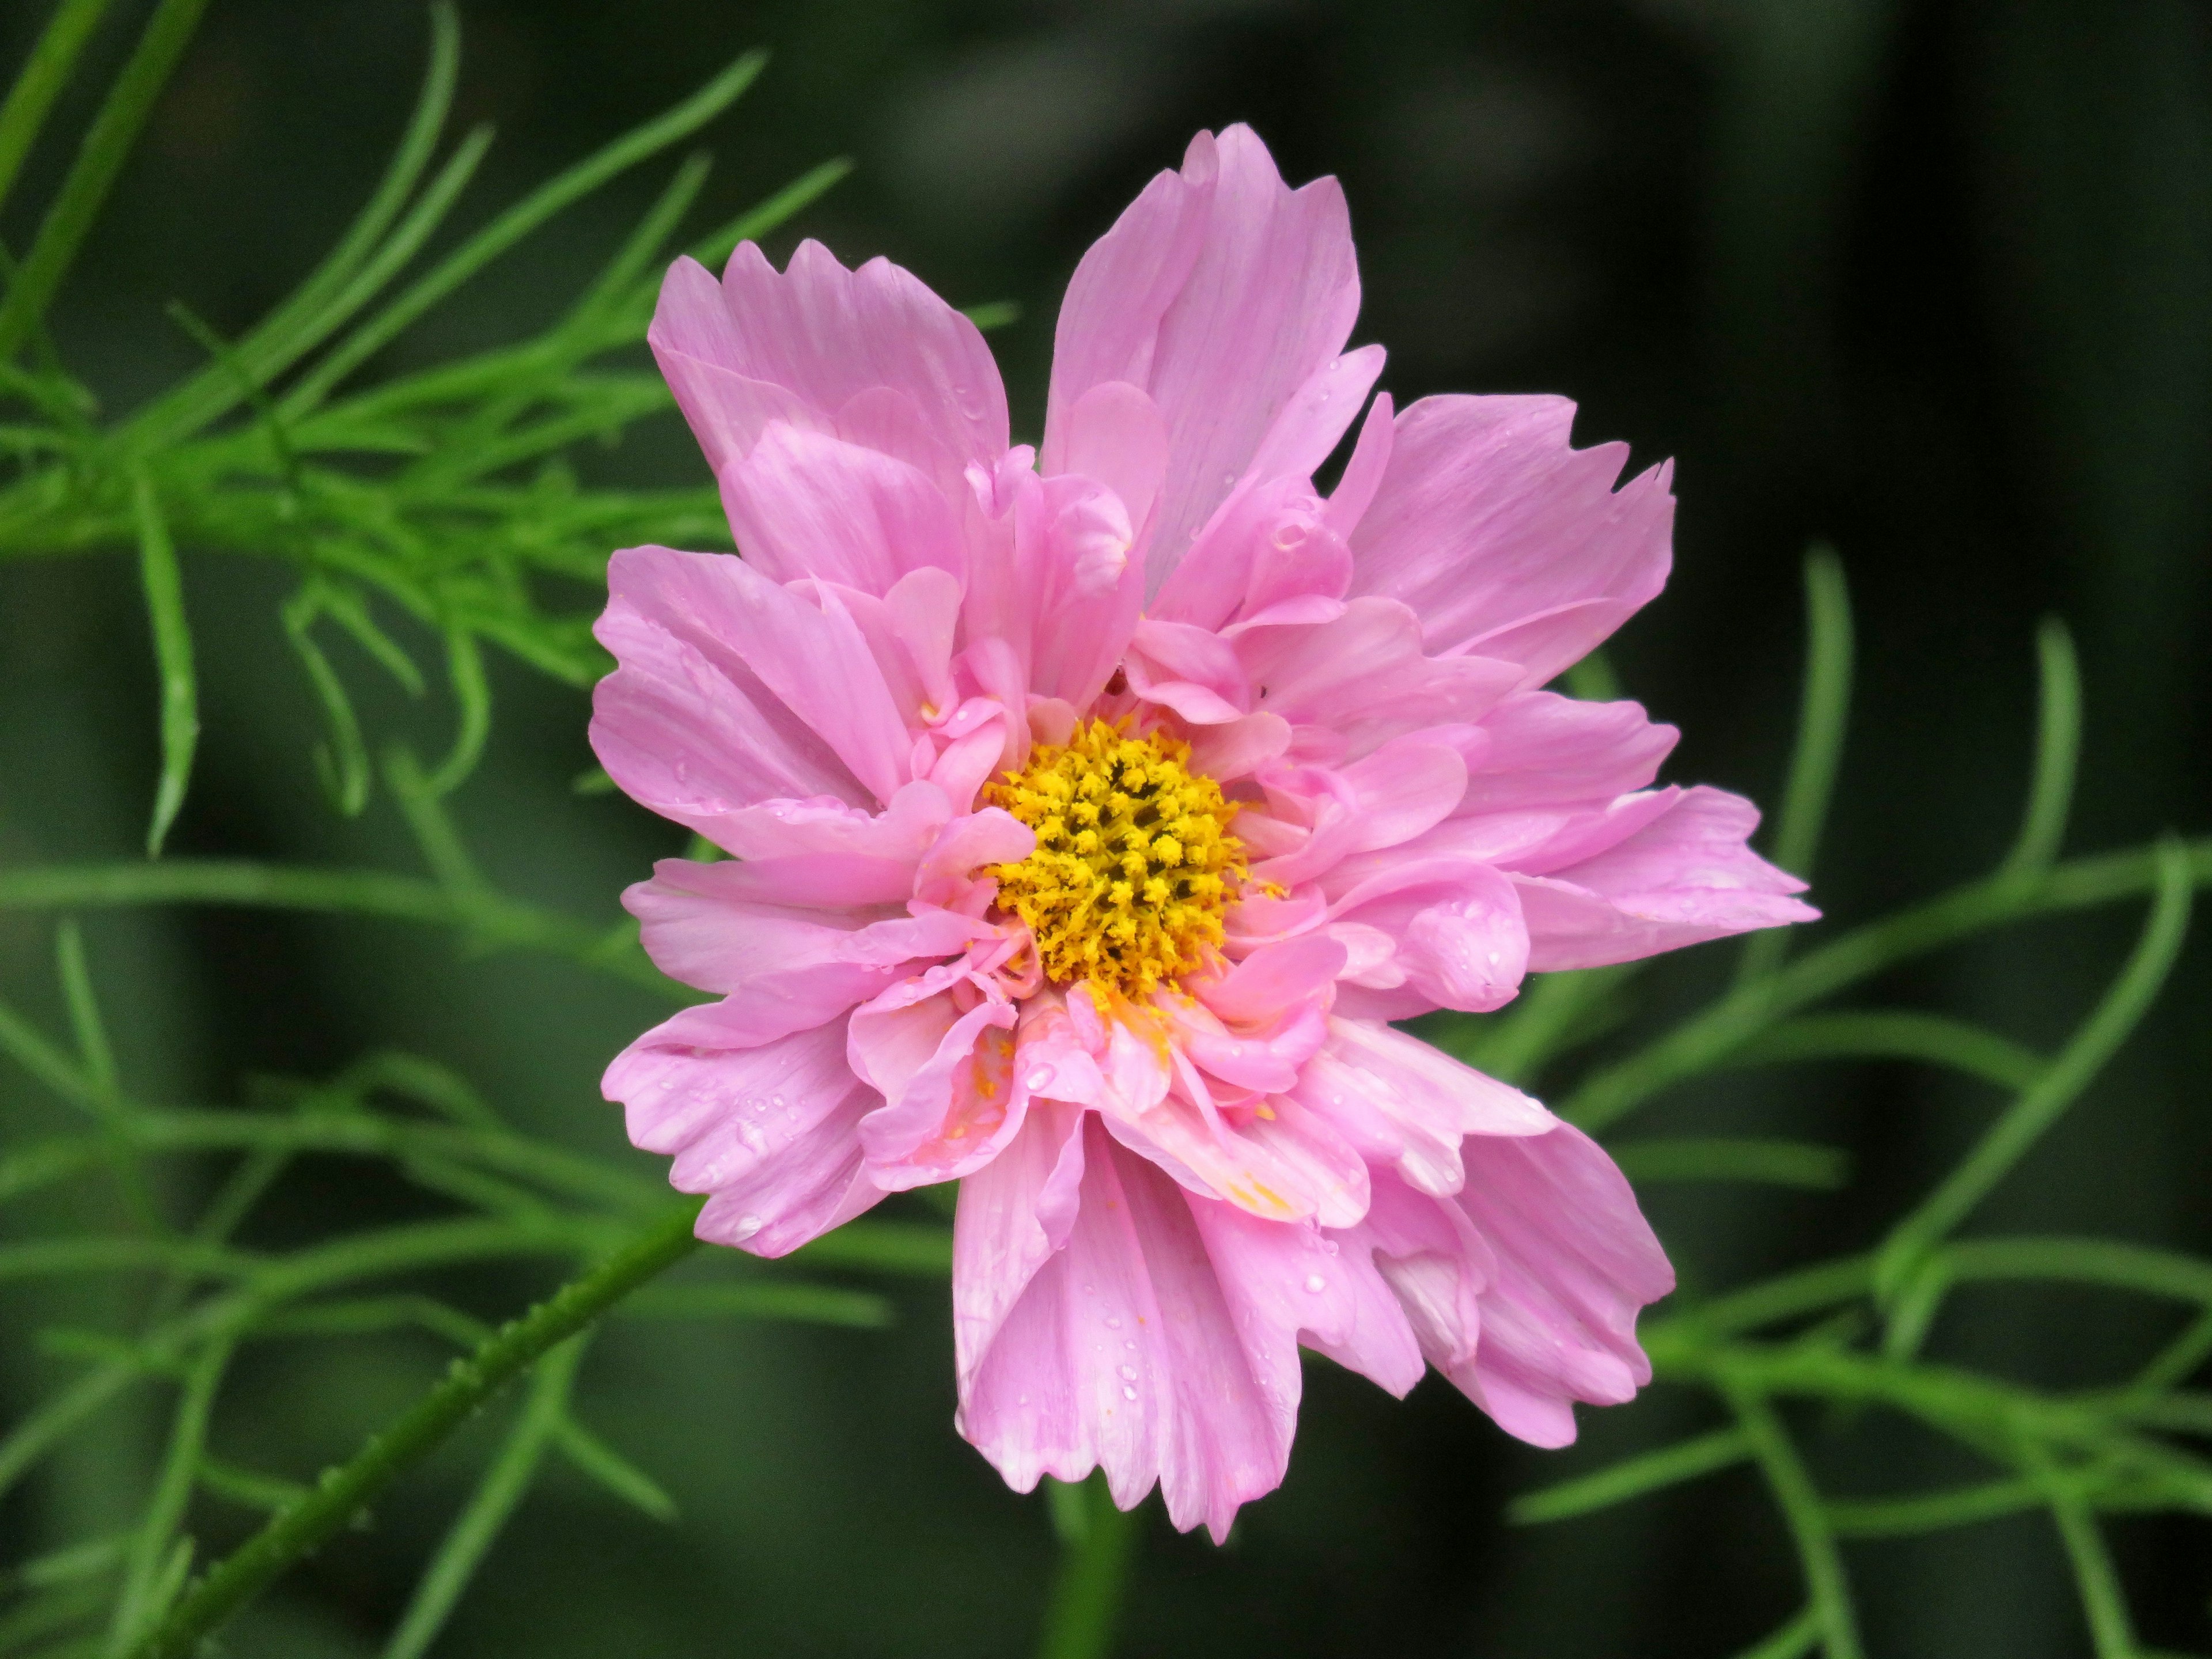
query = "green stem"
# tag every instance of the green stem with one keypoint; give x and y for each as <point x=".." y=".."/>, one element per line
<point x="1800" y="1502"/>
<point x="343" y="1493"/>
<point x="1096" y="1543"/>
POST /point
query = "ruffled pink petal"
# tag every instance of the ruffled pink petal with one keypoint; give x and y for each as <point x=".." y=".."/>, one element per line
<point x="1363" y="472"/>
<point x="1053" y="588"/>
<point x="1270" y="979"/>
<point x="1118" y="1348"/>
<point x="1546" y="750"/>
<point x="1407" y="1106"/>
<point x="1116" y="433"/>
<point x="1358" y="682"/>
<point x="1457" y="935"/>
<point x="1508" y="542"/>
<point x="704" y="625"/>
<point x="1221" y="293"/>
<point x="771" y="1132"/>
<point x="1684" y="878"/>
<point x="684" y="725"/>
<point x="1435" y="1263"/>
<point x="824" y="854"/>
<point x="1276" y="1161"/>
<point x="1574" y="1262"/>
<point x="1267" y="554"/>
<point x="824" y="335"/>
<point x="951" y="1098"/>
<point x="805" y="505"/>
<point x="696" y="342"/>
<point x="1292" y="1285"/>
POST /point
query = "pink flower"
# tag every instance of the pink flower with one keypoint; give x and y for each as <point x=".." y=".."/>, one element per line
<point x="1094" y="808"/>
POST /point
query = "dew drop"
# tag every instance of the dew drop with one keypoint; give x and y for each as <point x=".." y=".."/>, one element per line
<point x="1114" y="1322"/>
<point x="1038" y="1080"/>
<point x="1128" y="1392"/>
<point x="1316" y="1284"/>
<point x="746" y="1227"/>
<point x="1128" y="1373"/>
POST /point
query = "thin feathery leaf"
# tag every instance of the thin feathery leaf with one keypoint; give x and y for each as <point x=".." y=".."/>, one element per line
<point x="164" y="587"/>
<point x="107" y="144"/>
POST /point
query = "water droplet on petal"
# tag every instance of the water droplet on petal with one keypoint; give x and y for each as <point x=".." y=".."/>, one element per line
<point x="1114" y="1322"/>
<point x="1316" y="1284"/>
<point x="1128" y="1392"/>
<point x="1038" y="1080"/>
<point x="1128" y="1373"/>
<point x="747" y="1226"/>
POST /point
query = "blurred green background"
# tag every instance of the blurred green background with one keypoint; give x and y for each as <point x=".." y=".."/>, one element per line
<point x="1931" y="281"/>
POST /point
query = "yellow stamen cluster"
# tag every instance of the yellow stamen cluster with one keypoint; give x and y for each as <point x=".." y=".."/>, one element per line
<point x="1134" y="863"/>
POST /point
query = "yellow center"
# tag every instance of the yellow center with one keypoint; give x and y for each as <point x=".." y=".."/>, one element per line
<point x="1134" y="863"/>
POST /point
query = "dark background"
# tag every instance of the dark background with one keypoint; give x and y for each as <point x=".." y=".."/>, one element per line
<point x="1931" y="281"/>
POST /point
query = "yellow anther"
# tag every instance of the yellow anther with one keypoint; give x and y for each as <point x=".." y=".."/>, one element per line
<point x="1134" y="860"/>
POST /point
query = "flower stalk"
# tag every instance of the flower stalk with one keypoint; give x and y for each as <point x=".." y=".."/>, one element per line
<point x="344" y="1491"/>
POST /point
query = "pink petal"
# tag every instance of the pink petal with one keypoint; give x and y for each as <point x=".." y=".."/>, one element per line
<point x="825" y="853"/>
<point x="770" y="1132"/>
<point x="1120" y="1349"/>
<point x="1684" y="878"/>
<point x="1221" y="293"/>
<point x="1507" y="541"/>
<point x="720" y="617"/>
<point x="825" y="334"/>
<point x="1291" y="1284"/>
<point x="1407" y="1106"/>
<point x="1116" y="433"/>
<point x="1364" y="678"/>
<point x="704" y="924"/>
<point x="1435" y="1262"/>
<point x="1013" y="1213"/>
<point x="1575" y="1261"/>
<point x="951" y="1099"/>
<point x="1547" y="750"/>
<point x="1283" y="1164"/>
<point x="1265" y="551"/>
<point x="803" y="505"/>
<point x="1363" y="473"/>
<point x="684" y="725"/>
<point x="1457" y="928"/>
<point x="1271" y="978"/>
<point x="696" y="342"/>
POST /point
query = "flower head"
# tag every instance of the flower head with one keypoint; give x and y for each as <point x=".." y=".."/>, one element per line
<point x="1094" y="809"/>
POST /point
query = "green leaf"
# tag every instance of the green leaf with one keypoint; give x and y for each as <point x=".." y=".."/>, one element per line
<point x="106" y="144"/>
<point x="2058" y="752"/>
<point x="813" y="1305"/>
<point x="1823" y="714"/>
<point x="593" y="1457"/>
<point x="518" y="221"/>
<point x="1632" y="1476"/>
<point x="2039" y="1106"/>
<point x="173" y="655"/>
<point x="1771" y="1162"/>
<point x="31" y="98"/>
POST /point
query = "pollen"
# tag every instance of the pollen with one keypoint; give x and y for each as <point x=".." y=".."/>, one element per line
<point x="1134" y="862"/>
